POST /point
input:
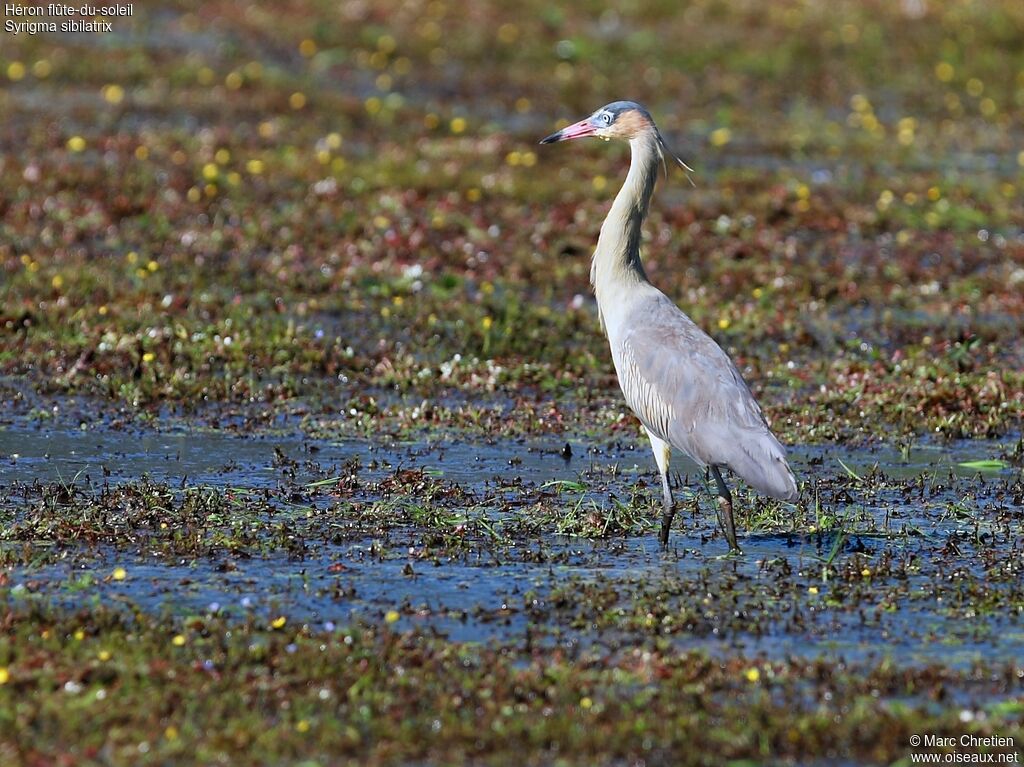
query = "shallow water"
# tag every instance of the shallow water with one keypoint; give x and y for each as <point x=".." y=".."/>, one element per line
<point x="202" y="456"/>
<point x="525" y="591"/>
<point x="48" y="451"/>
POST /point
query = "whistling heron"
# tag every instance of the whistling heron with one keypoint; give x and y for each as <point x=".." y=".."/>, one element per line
<point x="685" y="390"/>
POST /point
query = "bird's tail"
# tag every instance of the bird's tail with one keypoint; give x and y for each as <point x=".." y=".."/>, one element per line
<point x="761" y="463"/>
<point x="753" y="455"/>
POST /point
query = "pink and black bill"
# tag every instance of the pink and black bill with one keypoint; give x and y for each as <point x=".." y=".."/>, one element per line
<point x="576" y="130"/>
<point x="602" y="118"/>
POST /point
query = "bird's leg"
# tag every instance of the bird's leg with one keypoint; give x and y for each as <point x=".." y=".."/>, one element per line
<point x="662" y="455"/>
<point x="725" y="509"/>
<point x="668" y="508"/>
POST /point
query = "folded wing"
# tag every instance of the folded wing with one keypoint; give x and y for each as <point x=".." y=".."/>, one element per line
<point x="685" y="389"/>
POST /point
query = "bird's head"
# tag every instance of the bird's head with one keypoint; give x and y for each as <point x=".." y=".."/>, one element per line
<point x="620" y="119"/>
<point x="624" y="120"/>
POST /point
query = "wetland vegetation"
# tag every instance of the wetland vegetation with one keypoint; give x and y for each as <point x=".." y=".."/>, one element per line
<point x="311" y="450"/>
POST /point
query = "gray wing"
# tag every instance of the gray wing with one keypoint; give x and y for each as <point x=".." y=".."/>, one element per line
<point x="686" y="390"/>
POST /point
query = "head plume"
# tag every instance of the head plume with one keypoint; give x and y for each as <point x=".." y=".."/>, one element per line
<point x="664" y="150"/>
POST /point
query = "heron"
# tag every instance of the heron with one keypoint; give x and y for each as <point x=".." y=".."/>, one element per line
<point x="684" y="389"/>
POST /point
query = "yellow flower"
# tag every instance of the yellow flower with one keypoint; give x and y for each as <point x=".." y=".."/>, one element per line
<point x="148" y="357"/>
<point x="866" y="573"/>
<point x="278" y="622"/>
<point x="119" y="574"/>
<point x="113" y="94"/>
<point x="79" y="635"/>
<point x="486" y="323"/>
<point x="944" y="71"/>
<point x="720" y="136"/>
<point x="812" y="590"/>
<point x="302" y="725"/>
<point x="179" y="640"/>
<point x="103" y="655"/>
<point x="752" y="674"/>
<point x="586" y="703"/>
<point x="57" y="282"/>
<point x="5" y="675"/>
<point x="391" y="616"/>
<point x="458" y="125"/>
<point x="860" y="103"/>
<point x="507" y="33"/>
<point x="76" y="143"/>
<point x="307" y="48"/>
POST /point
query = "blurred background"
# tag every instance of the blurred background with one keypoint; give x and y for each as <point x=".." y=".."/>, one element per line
<point x="233" y="200"/>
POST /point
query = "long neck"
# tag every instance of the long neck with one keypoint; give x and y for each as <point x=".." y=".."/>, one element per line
<point x="617" y="257"/>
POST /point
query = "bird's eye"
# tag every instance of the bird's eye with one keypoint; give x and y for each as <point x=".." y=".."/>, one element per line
<point x="606" y="118"/>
